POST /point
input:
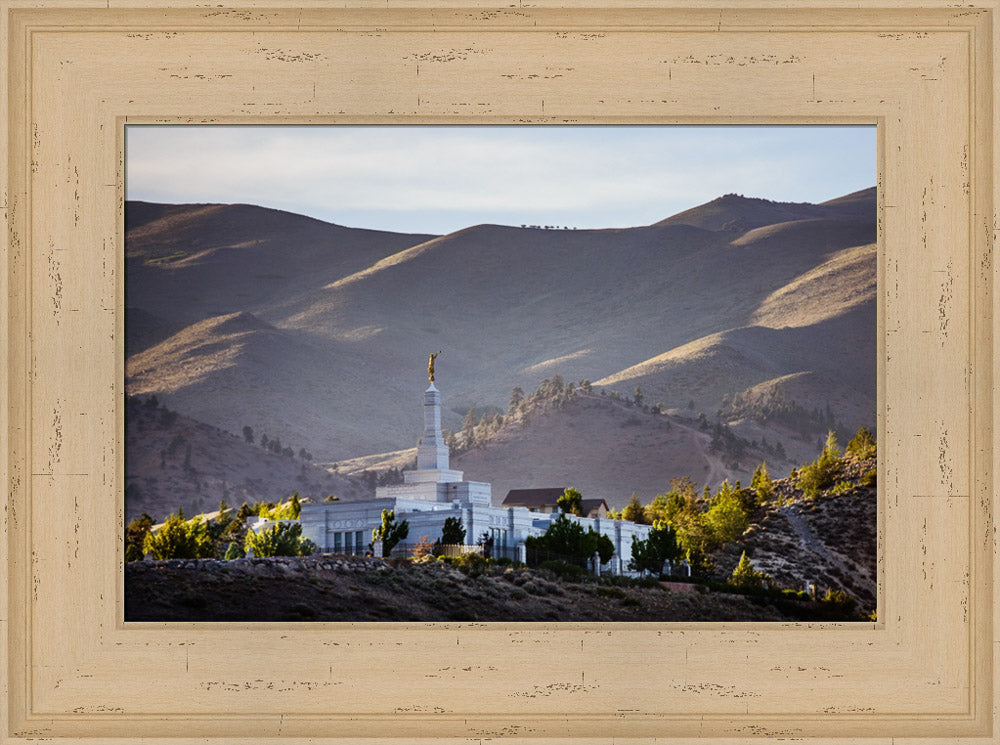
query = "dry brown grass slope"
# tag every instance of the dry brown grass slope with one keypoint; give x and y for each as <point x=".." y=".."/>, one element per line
<point x="185" y="263"/>
<point x="604" y="448"/>
<point x="174" y="461"/>
<point x="351" y="315"/>
<point x="236" y="370"/>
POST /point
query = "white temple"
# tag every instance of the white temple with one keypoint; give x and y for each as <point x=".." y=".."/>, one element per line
<point x="434" y="481"/>
<point x="434" y="492"/>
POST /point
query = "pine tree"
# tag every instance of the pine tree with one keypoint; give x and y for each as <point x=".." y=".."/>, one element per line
<point x="761" y="483"/>
<point x="390" y="532"/>
<point x="744" y="575"/>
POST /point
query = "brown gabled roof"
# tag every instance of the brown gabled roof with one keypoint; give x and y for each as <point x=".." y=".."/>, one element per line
<point x="532" y="497"/>
<point x="546" y="498"/>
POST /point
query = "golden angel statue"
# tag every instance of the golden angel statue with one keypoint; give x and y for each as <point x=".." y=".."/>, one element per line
<point x="430" y="365"/>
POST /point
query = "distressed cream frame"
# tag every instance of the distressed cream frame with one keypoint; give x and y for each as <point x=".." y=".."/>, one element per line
<point x="75" y="71"/>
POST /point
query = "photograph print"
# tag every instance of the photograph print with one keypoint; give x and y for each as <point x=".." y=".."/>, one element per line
<point x="500" y="373"/>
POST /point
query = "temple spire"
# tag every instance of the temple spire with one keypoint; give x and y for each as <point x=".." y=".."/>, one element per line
<point x="432" y="453"/>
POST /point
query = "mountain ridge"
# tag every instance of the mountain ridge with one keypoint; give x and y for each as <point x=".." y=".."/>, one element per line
<point x="320" y="333"/>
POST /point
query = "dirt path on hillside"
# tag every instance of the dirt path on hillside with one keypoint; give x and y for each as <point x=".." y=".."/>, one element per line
<point x="717" y="471"/>
<point x="804" y="533"/>
<point x="809" y="540"/>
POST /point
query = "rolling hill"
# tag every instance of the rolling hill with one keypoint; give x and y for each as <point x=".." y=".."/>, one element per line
<point x="319" y="334"/>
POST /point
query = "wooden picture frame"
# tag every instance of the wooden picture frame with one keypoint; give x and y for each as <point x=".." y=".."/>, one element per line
<point x="76" y="72"/>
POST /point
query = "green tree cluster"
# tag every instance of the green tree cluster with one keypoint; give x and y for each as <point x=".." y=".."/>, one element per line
<point x="634" y="511"/>
<point x="281" y="539"/>
<point x="566" y="539"/>
<point x="289" y="510"/>
<point x="180" y="539"/>
<point x="700" y="524"/>
<point x="822" y="473"/>
<point x="649" y="554"/>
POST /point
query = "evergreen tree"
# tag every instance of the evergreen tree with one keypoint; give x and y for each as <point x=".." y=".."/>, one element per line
<point x="233" y="551"/>
<point x="281" y="539"/>
<point x="453" y="533"/>
<point x="821" y="474"/>
<point x="180" y="539"/>
<point x="390" y="532"/>
<point x="862" y="445"/>
<point x="571" y="501"/>
<point x="744" y="575"/>
<point x="248" y="434"/>
<point x="761" y="483"/>
<point x="649" y="554"/>
<point x="566" y="539"/>
<point x="516" y="398"/>
<point x="135" y="536"/>
<point x="634" y="511"/>
<point x="726" y="518"/>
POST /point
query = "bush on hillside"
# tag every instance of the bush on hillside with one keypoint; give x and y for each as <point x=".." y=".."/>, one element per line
<point x="822" y="472"/>
<point x="180" y="539"/>
<point x="281" y="539"/>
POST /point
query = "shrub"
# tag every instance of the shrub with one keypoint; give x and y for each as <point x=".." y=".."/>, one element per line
<point x="840" y="600"/>
<point x="534" y="588"/>
<point x="564" y="570"/>
<point x="841" y="486"/>
<point x="302" y="610"/>
<point x="868" y="478"/>
<point x="610" y="592"/>
<point x="281" y="539"/>
<point x="424" y="549"/>
<point x="471" y="564"/>
<point x="233" y="551"/>
<point x="180" y="539"/>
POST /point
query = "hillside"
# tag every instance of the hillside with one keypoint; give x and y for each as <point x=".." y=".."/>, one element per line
<point x="319" y="335"/>
<point x="174" y="461"/>
<point x="338" y="588"/>
<point x="604" y="447"/>
<point x="830" y="540"/>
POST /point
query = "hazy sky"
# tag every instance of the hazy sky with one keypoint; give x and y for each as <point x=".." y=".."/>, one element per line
<point x="437" y="179"/>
